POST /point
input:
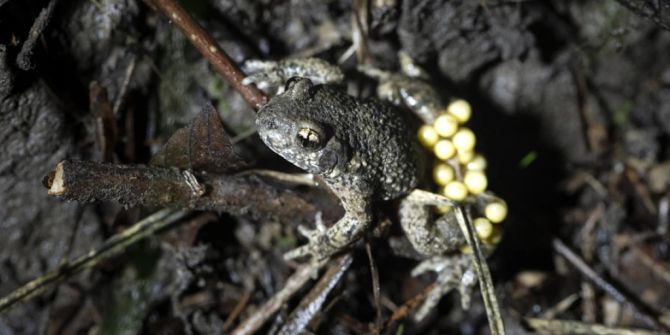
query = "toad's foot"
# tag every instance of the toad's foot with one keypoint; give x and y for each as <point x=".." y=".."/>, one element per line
<point x="324" y="242"/>
<point x="271" y="74"/>
<point x="318" y="247"/>
<point x="453" y="272"/>
<point x="264" y="74"/>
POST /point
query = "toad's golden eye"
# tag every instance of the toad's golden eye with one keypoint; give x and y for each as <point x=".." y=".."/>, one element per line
<point x="309" y="138"/>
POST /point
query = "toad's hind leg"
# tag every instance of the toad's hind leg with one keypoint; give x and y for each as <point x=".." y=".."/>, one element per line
<point x="439" y="239"/>
<point x="430" y="236"/>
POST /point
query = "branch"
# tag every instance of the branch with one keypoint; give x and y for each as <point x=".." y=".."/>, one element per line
<point x="154" y="186"/>
<point x="210" y="49"/>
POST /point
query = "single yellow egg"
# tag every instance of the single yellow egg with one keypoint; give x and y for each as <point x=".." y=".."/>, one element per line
<point x="475" y="181"/>
<point x="445" y="125"/>
<point x="455" y="190"/>
<point x="496" y="211"/>
<point x="464" y="140"/>
<point x="444" y="209"/>
<point x="483" y="228"/>
<point x="466" y="249"/>
<point x="495" y="237"/>
<point x="444" y="149"/>
<point x="443" y="173"/>
<point x="465" y="157"/>
<point x="478" y="163"/>
<point x="460" y="109"/>
<point x="428" y="136"/>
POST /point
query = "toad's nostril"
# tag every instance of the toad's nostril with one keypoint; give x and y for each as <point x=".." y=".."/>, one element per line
<point x="264" y="121"/>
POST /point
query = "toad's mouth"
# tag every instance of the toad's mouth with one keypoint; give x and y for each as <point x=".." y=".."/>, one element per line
<point x="275" y="140"/>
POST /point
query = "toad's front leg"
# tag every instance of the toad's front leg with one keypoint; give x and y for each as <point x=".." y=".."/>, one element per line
<point x="324" y="242"/>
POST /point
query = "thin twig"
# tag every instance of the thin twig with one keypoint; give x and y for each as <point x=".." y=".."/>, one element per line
<point x="406" y="308"/>
<point x="595" y="133"/>
<point x="211" y="50"/>
<point x="353" y="325"/>
<point x="106" y="131"/>
<point x="24" y="58"/>
<point x="646" y="313"/>
<point x="304" y="179"/>
<point x="239" y="308"/>
<point x="560" y="327"/>
<point x="299" y="278"/>
<point x="312" y="302"/>
<point x="121" y="95"/>
<point x="111" y="247"/>
<point x="375" y="288"/>
<point x="483" y="274"/>
<point x="360" y="30"/>
<point x="588" y="239"/>
<point x="560" y="307"/>
<point x="63" y="260"/>
<point x="641" y="188"/>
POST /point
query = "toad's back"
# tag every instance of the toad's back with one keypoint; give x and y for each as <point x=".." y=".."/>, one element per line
<point x="377" y="134"/>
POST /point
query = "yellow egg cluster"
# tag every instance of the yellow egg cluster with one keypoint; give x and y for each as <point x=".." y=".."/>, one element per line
<point x="459" y="171"/>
